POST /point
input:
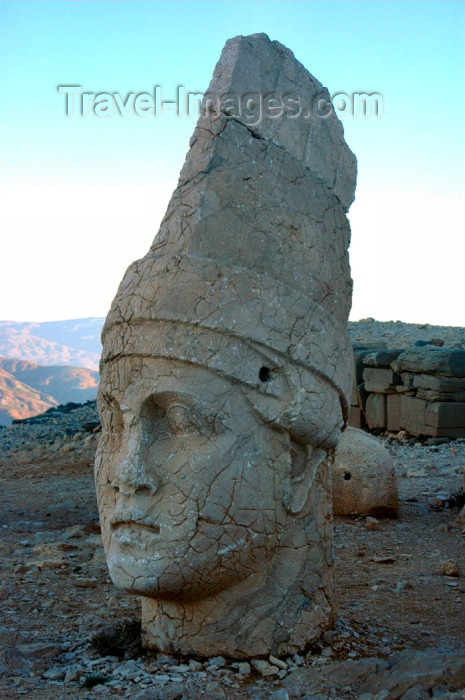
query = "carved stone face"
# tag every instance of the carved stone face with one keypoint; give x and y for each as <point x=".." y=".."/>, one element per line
<point x="214" y="493"/>
<point x="190" y="482"/>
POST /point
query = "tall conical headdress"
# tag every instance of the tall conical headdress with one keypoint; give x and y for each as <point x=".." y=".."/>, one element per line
<point x="250" y="266"/>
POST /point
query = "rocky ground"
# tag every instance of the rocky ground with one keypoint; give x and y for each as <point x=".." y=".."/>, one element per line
<point x="66" y="632"/>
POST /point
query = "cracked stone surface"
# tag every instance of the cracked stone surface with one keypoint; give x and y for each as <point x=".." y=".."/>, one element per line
<point x="363" y="480"/>
<point x="225" y="372"/>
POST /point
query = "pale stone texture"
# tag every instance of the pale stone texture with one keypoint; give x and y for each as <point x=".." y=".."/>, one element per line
<point x="225" y="374"/>
<point x="446" y="361"/>
<point x="363" y="477"/>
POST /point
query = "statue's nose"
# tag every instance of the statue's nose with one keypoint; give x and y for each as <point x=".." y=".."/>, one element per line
<point x="133" y="477"/>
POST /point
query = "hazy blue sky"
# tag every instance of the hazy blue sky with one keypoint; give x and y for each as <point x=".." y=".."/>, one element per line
<point x="83" y="197"/>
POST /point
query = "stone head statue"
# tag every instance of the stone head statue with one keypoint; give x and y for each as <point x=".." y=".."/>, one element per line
<point x="224" y="377"/>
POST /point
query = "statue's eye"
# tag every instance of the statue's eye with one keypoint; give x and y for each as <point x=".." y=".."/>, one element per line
<point x="163" y="416"/>
<point x="182" y="419"/>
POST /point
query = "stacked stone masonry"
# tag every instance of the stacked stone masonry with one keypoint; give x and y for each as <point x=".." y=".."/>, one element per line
<point x="418" y="389"/>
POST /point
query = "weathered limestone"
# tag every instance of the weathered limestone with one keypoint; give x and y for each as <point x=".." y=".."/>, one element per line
<point x="393" y="405"/>
<point x="421" y="390"/>
<point x="357" y="416"/>
<point x="380" y="380"/>
<point x="431" y="360"/>
<point x="436" y="419"/>
<point x="225" y="375"/>
<point x="375" y="411"/>
<point x="437" y="388"/>
<point x="363" y="477"/>
<point x="380" y="358"/>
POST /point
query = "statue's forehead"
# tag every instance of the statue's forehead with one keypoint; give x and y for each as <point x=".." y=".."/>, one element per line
<point x="131" y="382"/>
<point x="141" y="373"/>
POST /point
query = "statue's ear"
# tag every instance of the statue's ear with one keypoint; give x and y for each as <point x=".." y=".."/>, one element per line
<point x="305" y="461"/>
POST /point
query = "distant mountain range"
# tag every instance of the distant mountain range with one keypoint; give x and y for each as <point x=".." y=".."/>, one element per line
<point x="75" y="342"/>
<point x="27" y="388"/>
<point x="47" y="364"/>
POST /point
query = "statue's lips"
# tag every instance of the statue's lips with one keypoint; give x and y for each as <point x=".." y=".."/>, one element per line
<point x="134" y="525"/>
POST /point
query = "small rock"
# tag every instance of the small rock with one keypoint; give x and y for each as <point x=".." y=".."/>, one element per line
<point x="371" y="523"/>
<point x="243" y="668"/>
<point x="277" y="662"/>
<point x="438" y="503"/>
<point x="387" y="559"/>
<point x="182" y="668"/>
<point x="160" y="678"/>
<point x="47" y="564"/>
<point x="73" y="531"/>
<point x="55" y="674"/>
<point x="403" y="586"/>
<point x="176" y="678"/>
<point x="85" y="582"/>
<point x="264" y="668"/>
<point x="165" y="659"/>
<point x="449" y="567"/>
<point x="280" y="694"/>
<point x="72" y="675"/>
<point x="146" y="694"/>
<point x="217" y="661"/>
<point x="435" y="441"/>
<point x="213" y="691"/>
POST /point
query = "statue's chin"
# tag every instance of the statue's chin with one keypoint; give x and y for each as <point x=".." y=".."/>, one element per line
<point x="164" y="580"/>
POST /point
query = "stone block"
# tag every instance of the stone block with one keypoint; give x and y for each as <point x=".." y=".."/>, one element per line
<point x="407" y="378"/>
<point x="360" y="352"/>
<point x="380" y="380"/>
<point x="356" y="418"/>
<point x="381" y="358"/>
<point x="412" y="415"/>
<point x="353" y="396"/>
<point x="393" y="412"/>
<point x="409" y="390"/>
<point x="454" y="433"/>
<point x="439" y="383"/>
<point x="359" y="355"/>
<point x="439" y="388"/>
<point x="375" y="411"/>
<point x="432" y="360"/>
<point x="445" y="414"/>
<point x="362" y="396"/>
<point x="435" y="419"/>
<point x="429" y="395"/>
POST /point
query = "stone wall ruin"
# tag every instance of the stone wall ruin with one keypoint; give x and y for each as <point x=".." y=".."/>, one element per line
<point x="420" y="390"/>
